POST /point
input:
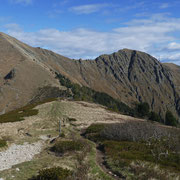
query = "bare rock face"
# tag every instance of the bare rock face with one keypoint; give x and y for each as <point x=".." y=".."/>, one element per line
<point x="142" y="78"/>
<point x="10" y="75"/>
<point x="129" y="75"/>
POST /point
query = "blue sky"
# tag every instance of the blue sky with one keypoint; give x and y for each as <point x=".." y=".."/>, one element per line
<point x="88" y="28"/>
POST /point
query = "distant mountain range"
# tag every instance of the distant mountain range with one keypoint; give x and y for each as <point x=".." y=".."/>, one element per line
<point x="128" y="75"/>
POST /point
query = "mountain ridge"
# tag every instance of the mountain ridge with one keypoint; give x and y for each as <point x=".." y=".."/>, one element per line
<point x="128" y="75"/>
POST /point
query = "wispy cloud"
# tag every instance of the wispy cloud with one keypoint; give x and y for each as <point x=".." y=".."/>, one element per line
<point x="61" y="3"/>
<point x="54" y="13"/>
<point x="164" y="5"/>
<point x="173" y="46"/>
<point x="87" y="9"/>
<point x="13" y="26"/>
<point x="25" y="2"/>
<point x="135" y="5"/>
<point x="4" y="19"/>
<point x="153" y="35"/>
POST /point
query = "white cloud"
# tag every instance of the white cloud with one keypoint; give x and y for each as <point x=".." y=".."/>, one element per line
<point x="153" y="35"/>
<point x="173" y="46"/>
<point x="87" y="9"/>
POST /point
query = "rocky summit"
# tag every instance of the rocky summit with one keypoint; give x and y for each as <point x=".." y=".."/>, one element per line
<point x="128" y="75"/>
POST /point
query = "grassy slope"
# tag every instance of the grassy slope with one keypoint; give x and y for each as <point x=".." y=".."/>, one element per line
<point x="46" y="123"/>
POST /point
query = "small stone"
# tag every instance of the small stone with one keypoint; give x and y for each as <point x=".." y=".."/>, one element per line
<point x="17" y="169"/>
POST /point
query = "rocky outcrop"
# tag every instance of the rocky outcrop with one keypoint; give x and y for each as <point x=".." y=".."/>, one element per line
<point x="140" y="77"/>
<point x="10" y="75"/>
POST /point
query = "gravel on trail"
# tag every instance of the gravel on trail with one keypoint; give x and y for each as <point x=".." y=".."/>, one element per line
<point x="16" y="154"/>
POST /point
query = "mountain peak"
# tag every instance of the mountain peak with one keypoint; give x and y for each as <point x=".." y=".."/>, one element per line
<point x="127" y="50"/>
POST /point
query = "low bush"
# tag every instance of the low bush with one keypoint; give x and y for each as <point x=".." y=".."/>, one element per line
<point x="95" y="128"/>
<point x="143" y="109"/>
<point x="62" y="135"/>
<point x="19" y="114"/>
<point x="170" y="119"/>
<point x="153" y="116"/>
<point x="55" y="173"/>
<point x="93" y="132"/>
<point x="3" y="143"/>
<point x="26" y="111"/>
<point x="65" y="146"/>
<point x="49" y="92"/>
<point x="83" y="93"/>
<point x="72" y="119"/>
<point x="124" y="152"/>
<point x="136" y="131"/>
<point x="129" y="131"/>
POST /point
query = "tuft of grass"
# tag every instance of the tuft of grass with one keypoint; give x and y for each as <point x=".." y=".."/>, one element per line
<point x="21" y="113"/>
<point x="55" y="173"/>
<point x="62" y="135"/>
<point x="18" y="115"/>
<point x="95" y="128"/>
<point x="120" y="155"/>
<point x="72" y="120"/>
<point x="66" y="146"/>
<point x="93" y="132"/>
<point x="3" y="143"/>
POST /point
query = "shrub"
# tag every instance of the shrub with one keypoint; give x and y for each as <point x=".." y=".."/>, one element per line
<point x="95" y="128"/>
<point x="135" y="131"/>
<point x="130" y="131"/>
<point x="93" y="132"/>
<point x="49" y="92"/>
<point x="170" y="119"/>
<point x="120" y="155"/>
<point x="55" y="173"/>
<point x="65" y="146"/>
<point x="62" y="135"/>
<point x="19" y="114"/>
<point x="72" y="119"/>
<point x="2" y="143"/>
<point x="84" y="93"/>
<point x="154" y="117"/>
<point x="26" y="111"/>
<point x="143" y="109"/>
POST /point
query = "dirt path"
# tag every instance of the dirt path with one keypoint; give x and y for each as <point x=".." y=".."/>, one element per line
<point x="101" y="162"/>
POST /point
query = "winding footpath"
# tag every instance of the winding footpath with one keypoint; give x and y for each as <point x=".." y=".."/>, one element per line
<point x="101" y="162"/>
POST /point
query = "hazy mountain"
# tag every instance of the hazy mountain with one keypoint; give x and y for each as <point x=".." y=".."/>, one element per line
<point x="129" y="75"/>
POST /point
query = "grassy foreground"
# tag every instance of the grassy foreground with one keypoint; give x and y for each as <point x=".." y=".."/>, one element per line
<point x="137" y="151"/>
<point x="68" y="154"/>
